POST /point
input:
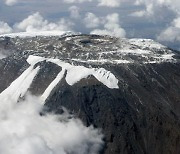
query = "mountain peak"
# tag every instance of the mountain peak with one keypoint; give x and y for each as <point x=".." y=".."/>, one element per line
<point x="90" y="49"/>
<point x="107" y="82"/>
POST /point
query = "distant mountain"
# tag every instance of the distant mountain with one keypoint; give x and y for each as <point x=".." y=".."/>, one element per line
<point x="129" y="88"/>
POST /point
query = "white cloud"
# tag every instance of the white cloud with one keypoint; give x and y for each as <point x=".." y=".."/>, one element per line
<point x="74" y="12"/>
<point x="91" y="20"/>
<point x="111" y="27"/>
<point x="109" y="3"/>
<point x="36" y="22"/>
<point x="162" y="10"/>
<point x="176" y="22"/>
<point x="4" y="28"/>
<point x="160" y="2"/>
<point x="152" y="5"/>
<point x="138" y="13"/>
<point x="172" y="33"/>
<point x="148" y="11"/>
<point x="25" y="131"/>
<point x="76" y="1"/>
<point x="10" y="2"/>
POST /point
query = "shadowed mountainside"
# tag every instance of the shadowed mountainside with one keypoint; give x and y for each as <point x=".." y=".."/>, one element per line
<point x="142" y="116"/>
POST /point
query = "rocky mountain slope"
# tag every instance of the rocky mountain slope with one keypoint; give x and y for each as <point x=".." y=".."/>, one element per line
<point x="129" y="88"/>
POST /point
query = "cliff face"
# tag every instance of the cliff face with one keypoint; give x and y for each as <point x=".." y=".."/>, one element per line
<point x="128" y="88"/>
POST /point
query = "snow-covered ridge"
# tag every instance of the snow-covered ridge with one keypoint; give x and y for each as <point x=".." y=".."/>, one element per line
<point x="20" y="86"/>
<point x="91" y="49"/>
<point x="146" y="43"/>
<point x="74" y="74"/>
<point x="34" y="34"/>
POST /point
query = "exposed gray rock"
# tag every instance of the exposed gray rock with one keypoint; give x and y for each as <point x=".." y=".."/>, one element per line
<point x="142" y="116"/>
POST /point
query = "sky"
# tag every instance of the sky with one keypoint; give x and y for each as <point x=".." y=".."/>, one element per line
<point x="151" y="19"/>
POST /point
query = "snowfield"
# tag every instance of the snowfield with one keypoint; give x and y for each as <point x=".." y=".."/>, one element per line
<point x="40" y="33"/>
<point x="74" y="74"/>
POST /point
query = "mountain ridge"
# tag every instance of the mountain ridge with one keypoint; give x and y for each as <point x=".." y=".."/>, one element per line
<point x="141" y="116"/>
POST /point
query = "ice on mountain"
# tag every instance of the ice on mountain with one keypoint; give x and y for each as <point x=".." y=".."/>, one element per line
<point x="19" y="87"/>
<point x="35" y="34"/>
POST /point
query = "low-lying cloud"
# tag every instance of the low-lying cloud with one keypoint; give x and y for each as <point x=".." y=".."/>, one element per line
<point x="5" y="28"/>
<point x="109" y="24"/>
<point x="35" y="23"/>
<point x="25" y="131"/>
<point x="138" y="18"/>
<point x="152" y="6"/>
<point x="111" y="27"/>
<point x="172" y="32"/>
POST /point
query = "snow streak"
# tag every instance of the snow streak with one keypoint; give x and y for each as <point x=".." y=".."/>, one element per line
<point x="25" y="131"/>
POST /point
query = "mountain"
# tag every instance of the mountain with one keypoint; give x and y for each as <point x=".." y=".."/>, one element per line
<point x="128" y="88"/>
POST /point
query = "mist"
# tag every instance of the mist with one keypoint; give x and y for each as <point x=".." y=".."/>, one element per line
<point x="25" y="131"/>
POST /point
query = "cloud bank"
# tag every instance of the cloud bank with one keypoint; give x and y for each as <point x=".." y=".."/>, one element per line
<point x="111" y="27"/>
<point x="171" y="33"/>
<point x="152" y="6"/>
<point x="35" y="23"/>
<point x="25" y="131"/>
<point x="140" y="18"/>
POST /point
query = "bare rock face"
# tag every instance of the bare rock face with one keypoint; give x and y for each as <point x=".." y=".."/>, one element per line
<point x="128" y="88"/>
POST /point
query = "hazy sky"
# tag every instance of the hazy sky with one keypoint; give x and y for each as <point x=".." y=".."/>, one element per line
<point x="155" y="19"/>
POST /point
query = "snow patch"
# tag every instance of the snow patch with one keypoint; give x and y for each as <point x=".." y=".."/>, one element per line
<point x="102" y="61"/>
<point x="106" y="77"/>
<point x="127" y="51"/>
<point x="34" y="34"/>
<point x="19" y="87"/>
<point x="137" y="51"/>
<point x="168" y="56"/>
<point x="146" y="43"/>
<point x="25" y="130"/>
<point x="76" y="73"/>
<point x="53" y="84"/>
<point x="32" y="60"/>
